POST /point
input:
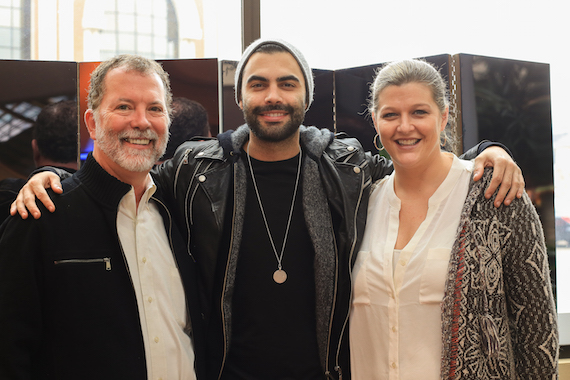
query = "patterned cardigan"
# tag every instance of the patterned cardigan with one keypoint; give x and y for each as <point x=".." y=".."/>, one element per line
<point x="498" y="315"/>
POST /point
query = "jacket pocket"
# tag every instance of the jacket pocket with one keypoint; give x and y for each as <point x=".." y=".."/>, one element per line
<point x="434" y="274"/>
<point x="105" y="260"/>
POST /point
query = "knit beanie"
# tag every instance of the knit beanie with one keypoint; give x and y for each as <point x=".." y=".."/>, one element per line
<point x="254" y="46"/>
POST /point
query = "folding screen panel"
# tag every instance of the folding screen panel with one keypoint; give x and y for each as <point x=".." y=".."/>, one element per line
<point x="509" y="101"/>
<point x="28" y="86"/>
<point x="232" y="117"/>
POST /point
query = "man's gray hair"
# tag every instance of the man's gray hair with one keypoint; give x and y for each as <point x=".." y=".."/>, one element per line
<point x="129" y="62"/>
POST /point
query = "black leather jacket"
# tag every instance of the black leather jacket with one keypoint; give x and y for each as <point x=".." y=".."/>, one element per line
<point x="207" y="181"/>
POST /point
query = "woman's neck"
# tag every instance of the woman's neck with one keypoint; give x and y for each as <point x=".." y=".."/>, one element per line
<point x="414" y="187"/>
<point x="422" y="182"/>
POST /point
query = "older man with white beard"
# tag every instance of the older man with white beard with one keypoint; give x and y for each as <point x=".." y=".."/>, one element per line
<point x="104" y="288"/>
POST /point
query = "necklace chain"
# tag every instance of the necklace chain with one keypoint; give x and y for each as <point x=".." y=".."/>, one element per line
<point x="279" y="256"/>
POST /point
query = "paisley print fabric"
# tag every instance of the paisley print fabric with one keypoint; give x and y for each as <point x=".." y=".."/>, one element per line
<point x="498" y="315"/>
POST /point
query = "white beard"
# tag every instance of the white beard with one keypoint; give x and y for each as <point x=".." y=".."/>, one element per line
<point x="131" y="159"/>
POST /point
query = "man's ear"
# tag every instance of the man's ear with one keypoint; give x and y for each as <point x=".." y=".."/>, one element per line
<point x="240" y="104"/>
<point x="90" y="123"/>
<point x="36" y="151"/>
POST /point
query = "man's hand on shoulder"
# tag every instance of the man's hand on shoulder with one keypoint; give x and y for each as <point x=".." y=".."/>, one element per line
<point x="506" y="174"/>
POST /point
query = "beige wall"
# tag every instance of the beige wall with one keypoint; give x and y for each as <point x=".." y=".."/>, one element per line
<point x="564" y="369"/>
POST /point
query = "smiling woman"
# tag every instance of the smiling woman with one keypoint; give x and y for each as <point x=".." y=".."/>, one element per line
<point x="410" y="123"/>
<point x="439" y="297"/>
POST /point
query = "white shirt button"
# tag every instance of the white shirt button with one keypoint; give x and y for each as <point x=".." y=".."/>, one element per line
<point x="350" y="148"/>
<point x="202" y="178"/>
<point x="356" y="169"/>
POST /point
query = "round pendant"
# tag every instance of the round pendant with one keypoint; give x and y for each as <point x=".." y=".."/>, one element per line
<point x="279" y="276"/>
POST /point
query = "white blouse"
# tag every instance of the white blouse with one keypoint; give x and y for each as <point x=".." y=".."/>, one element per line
<point x="395" y="322"/>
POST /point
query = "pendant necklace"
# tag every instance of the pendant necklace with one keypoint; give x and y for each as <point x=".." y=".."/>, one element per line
<point x="279" y="276"/>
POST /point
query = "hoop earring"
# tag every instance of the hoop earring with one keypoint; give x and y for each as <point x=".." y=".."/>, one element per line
<point x="376" y="144"/>
<point x="444" y="140"/>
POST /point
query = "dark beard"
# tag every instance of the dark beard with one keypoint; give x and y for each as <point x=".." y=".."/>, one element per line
<point x="274" y="133"/>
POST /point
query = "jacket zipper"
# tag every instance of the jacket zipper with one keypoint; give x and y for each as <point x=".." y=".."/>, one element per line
<point x="224" y="331"/>
<point x="190" y="216"/>
<point x="187" y="203"/>
<point x="337" y="367"/>
<point x="327" y="364"/>
<point x="184" y="162"/>
<point x="106" y="260"/>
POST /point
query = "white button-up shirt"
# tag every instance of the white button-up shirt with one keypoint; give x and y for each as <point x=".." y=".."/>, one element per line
<point x="395" y="322"/>
<point x="158" y="287"/>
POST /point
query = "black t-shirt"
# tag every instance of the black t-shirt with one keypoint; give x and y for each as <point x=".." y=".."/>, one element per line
<point x="273" y="325"/>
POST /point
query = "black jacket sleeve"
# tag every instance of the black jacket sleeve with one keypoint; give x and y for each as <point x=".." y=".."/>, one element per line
<point x="479" y="148"/>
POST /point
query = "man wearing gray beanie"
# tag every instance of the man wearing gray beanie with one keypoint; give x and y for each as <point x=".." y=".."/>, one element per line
<point x="259" y="45"/>
<point x="274" y="213"/>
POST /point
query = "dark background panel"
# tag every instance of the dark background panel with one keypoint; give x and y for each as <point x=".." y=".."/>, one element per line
<point x="196" y="79"/>
<point x="321" y="112"/>
<point x="509" y="101"/>
<point x="28" y="86"/>
<point x="351" y="90"/>
<point x="512" y="105"/>
<point x="232" y="116"/>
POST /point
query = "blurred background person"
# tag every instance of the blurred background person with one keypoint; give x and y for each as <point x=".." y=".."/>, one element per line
<point x="189" y="119"/>
<point x="55" y="136"/>
<point x="54" y="143"/>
